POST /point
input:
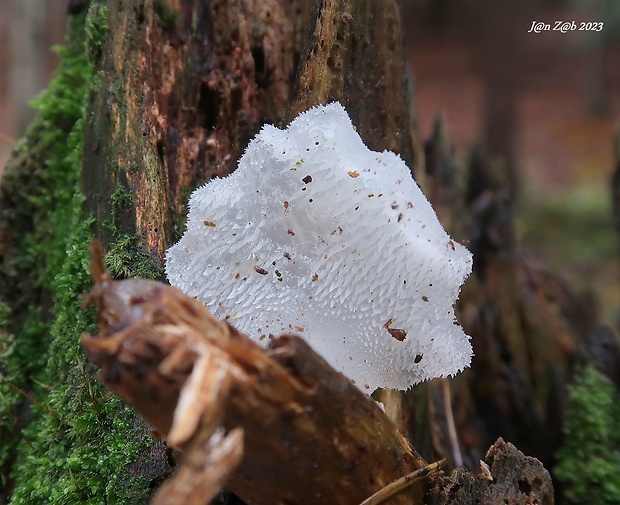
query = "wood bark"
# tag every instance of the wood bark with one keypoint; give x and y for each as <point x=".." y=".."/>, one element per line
<point x="184" y="86"/>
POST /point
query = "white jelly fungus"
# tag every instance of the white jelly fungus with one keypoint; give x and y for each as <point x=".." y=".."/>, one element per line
<point x="317" y="235"/>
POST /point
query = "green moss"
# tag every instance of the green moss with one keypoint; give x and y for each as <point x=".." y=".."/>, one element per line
<point x="37" y="199"/>
<point x="589" y="461"/>
<point x="121" y="199"/>
<point x="127" y="259"/>
<point x="81" y="453"/>
<point x="6" y="337"/>
<point x="95" y="28"/>
<point x="80" y="448"/>
<point x="121" y="202"/>
<point x="5" y="314"/>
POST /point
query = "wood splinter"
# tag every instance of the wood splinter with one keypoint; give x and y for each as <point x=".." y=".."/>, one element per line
<point x="275" y="426"/>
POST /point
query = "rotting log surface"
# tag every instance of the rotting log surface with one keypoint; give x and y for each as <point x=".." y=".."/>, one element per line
<point x="509" y="478"/>
<point x="310" y="436"/>
<point x="355" y="54"/>
<point x="182" y="87"/>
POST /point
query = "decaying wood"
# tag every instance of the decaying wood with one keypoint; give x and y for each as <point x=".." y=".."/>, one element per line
<point x="355" y="54"/>
<point x="508" y="477"/>
<point x="208" y="463"/>
<point x="183" y="86"/>
<point x="308" y="435"/>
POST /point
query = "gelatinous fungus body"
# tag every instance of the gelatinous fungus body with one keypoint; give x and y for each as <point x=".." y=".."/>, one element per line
<point x="315" y="234"/>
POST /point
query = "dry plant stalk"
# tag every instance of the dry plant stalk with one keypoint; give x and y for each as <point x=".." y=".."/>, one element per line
<point x="275" y="426"/>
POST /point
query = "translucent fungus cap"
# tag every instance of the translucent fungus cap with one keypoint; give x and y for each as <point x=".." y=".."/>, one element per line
<point x="317" y="235"/>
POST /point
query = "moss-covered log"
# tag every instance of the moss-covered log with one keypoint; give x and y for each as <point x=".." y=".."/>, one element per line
<point x="178" y="100"/>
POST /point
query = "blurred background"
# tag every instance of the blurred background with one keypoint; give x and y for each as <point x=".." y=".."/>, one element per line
<point x="28" y="31"/>
<point x="546" y="104"/>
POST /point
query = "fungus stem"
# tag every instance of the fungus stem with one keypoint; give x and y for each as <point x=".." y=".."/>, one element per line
<point x="454" y="441"/>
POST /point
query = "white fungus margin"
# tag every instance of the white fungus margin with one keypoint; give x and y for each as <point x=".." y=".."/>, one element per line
<point x="317" y="235"/>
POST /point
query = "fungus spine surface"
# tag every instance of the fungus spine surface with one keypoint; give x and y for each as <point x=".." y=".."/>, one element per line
<point x="317" y="235"/>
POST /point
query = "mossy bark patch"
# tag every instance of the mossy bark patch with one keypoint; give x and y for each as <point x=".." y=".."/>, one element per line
<point x="79" y="445"/>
